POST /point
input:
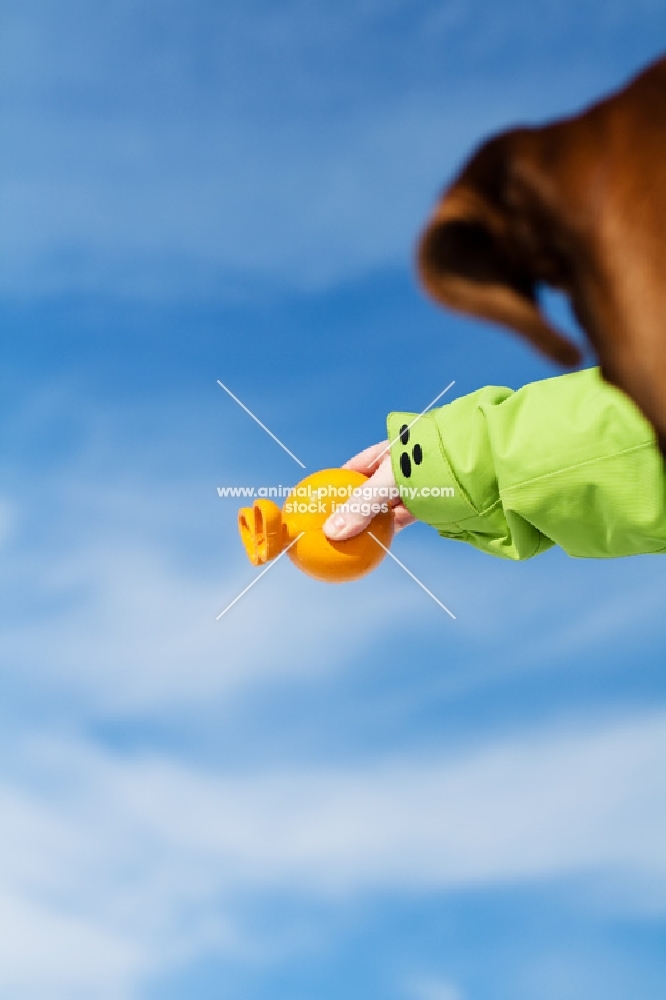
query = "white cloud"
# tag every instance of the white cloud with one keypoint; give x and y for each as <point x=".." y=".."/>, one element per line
<point x="200" y="212"/>
<point x="197" y="149"/>
<point x="138" y="860"/>
<point x="44" y="953"/>
<point x="109" y="615"/>
<point x="8" y="517"/>
<point x="123" y="628"/>
<point x="108" y="609"/>
<point x="431" y="988"/>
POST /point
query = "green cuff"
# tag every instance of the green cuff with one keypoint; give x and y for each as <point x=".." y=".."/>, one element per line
<point x="432" y="493"/>
<point x="428" y="487"/>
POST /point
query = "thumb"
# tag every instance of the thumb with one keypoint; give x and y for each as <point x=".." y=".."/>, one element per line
<point x="344" y="523"/>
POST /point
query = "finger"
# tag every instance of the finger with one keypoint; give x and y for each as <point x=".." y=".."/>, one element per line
<point x="346" y="523"/>
<point x="402" y="518"/>
<point x="369" y="460"/>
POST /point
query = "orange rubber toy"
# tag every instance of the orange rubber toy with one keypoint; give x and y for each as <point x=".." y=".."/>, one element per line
<point x="266" y="531"/>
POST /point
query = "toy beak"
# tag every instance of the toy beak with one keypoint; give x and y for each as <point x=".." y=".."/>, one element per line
<point x="261" y="531"/>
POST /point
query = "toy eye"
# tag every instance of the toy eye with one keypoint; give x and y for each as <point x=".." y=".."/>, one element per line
<point x="417" y="454"/>
<point x="404" y="433"/>
<point x="405" y="465"/>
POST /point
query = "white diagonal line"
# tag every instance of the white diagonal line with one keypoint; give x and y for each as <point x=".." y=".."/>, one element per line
<point x="414" y="578"/>
<point x="428" y="407"/>
<point x="257" y="578"/>
<point x="263" y="426"/>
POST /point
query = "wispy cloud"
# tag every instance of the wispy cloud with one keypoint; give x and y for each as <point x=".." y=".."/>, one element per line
<point x="105" y="610"/>
<point x="425" y="987"/>
<point x="138" y="860"/>
<point x="126" y="630"/>
<point x="181" y="150"/>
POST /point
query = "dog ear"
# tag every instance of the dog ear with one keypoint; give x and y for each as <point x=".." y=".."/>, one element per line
<point x="467" y="259"/>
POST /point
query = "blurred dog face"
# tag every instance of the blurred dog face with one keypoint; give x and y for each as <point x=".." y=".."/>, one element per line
<point x="580" y="205"/>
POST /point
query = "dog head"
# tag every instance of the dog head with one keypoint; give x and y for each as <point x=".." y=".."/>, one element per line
<point x="578" y="205"/>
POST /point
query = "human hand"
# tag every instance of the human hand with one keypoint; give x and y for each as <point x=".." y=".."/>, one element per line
<point x="374" y="462"/>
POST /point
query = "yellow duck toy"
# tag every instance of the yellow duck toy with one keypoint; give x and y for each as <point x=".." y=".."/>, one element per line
<point x="297" y="529"/>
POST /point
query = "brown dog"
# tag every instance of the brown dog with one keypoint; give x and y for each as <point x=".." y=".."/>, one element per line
<point x="579" y="204"/>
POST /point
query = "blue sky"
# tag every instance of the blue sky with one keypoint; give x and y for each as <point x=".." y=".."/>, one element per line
<point x="332" y="792"/>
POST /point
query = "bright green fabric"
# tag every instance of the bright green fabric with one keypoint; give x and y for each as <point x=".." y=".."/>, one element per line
<point x="568" y="461"/>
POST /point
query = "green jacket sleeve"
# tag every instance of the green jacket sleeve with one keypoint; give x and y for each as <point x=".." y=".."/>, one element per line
<point x="568" y="461"/>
